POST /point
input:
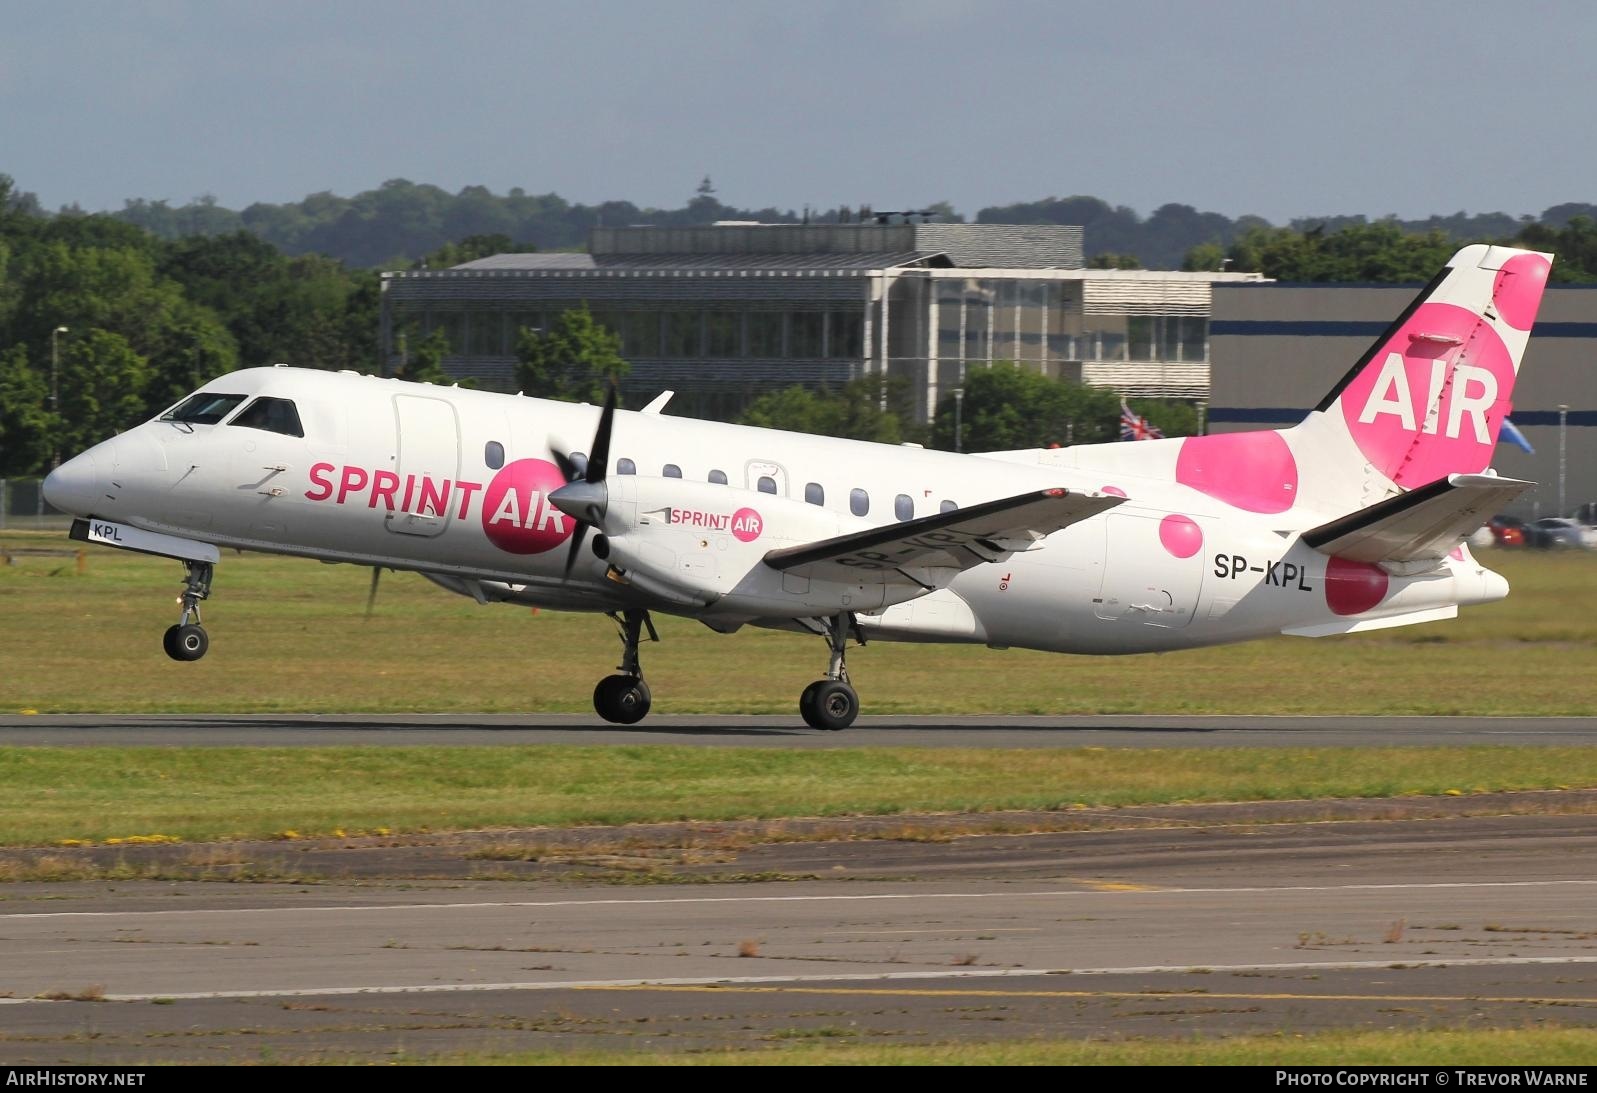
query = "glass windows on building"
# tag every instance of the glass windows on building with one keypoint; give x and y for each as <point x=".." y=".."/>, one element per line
<point x="845" y="337"/>
<point x="486" y="333"/>
<point x="723" y="334"/>
<point x="683" y="334"/>
<point x="805" y="329"/>
<point x="765" y="333"/>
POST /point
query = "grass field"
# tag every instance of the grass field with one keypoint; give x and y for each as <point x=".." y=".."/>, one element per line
<point x="201" y="794"/>
<point x="289" y="635"/>
<point x="1531" y="1047"/>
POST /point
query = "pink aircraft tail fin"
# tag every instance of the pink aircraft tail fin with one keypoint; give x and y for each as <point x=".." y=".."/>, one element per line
<point x="1428" y="398"/>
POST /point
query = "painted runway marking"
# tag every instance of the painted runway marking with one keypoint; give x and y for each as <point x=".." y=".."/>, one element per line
<point x="861" y="897"/>
<point x="776" y="981"/>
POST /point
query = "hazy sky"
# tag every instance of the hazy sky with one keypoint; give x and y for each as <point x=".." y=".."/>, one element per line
<point x="1274" y="107"/>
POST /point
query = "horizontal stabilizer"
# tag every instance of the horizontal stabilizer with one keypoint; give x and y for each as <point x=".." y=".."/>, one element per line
<point x="1421" y="525"/>
<point x="950" y="541"/>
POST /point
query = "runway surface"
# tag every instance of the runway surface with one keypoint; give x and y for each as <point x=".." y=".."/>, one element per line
<point x="789" y="732"/>
<point x="1479" y="921"/>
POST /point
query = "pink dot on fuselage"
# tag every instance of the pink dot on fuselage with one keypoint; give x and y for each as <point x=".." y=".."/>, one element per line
<point x="1251" y="471"/>
<point x="1180" y="535"/>
<point x="1518" y="289"/>
<point x="1352" y="588"/>
<point x="1113" y="491"/>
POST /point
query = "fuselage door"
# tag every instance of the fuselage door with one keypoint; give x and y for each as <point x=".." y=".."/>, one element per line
<point x="427" y="461"/>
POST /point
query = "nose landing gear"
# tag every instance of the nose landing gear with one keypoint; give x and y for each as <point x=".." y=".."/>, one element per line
<point x="831" y="703"/>
<point x="624" y="699"/>
<point x="187" y="640"/>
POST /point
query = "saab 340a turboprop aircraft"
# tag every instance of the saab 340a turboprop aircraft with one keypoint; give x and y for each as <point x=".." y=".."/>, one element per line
<point x="1354" y="519"/>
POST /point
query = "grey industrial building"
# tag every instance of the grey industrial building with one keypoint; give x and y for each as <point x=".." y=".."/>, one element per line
<point x="722" y="313"/>
<point x="1278" y="348"/>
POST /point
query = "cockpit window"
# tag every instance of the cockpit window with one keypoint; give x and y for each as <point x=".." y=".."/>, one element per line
<point x="275" y="415"/>
<point x="205" y="408"/>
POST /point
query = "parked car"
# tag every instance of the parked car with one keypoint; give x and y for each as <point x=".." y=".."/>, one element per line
<point x="1507" y="531"/>
<point x="1560" y="533"/>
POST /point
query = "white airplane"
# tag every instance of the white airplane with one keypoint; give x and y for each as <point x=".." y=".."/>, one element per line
<point x="1353" y="520"/>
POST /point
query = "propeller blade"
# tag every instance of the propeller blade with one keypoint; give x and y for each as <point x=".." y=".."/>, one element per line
<point x="577" y="535"/>
<point x="371" y="597"/>
<point x="568" y="469"/>
<point x="599" y="457"/>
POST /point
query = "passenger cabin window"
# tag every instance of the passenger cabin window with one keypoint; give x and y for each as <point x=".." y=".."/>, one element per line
<point x="205" y="408"/>
<point x="626" y="466"/>
<point x="493" y="454"/>
<point x="671" y="470"/>
<point x="814" y="494"/>
<point x="903" y="507"/>
<point x="274" y="415"/>
<point x="579" y="463"/>
<point x="859" y="502"/>
<point x="948" y="506"/>
<point x="766" y="484"/>
<point x="718" y="477"/>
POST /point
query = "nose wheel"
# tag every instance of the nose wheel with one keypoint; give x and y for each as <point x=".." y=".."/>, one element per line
<point x="624" y="699"/>
<point x="186" y="640"/>
<point x="831" y="703"/>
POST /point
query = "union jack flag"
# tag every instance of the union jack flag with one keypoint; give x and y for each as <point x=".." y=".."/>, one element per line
<point x="1133" y="426"/>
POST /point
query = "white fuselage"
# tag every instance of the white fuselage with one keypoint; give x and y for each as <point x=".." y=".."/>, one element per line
<point x="397" y="474"/>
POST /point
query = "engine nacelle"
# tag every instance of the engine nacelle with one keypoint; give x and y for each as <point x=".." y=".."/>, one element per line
<point x="700" y="544"/>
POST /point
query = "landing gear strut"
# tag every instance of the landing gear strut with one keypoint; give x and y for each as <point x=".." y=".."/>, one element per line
<point x="831" y="703"/>
<point x="624" y="698"/>
<point x="186" y="640"/>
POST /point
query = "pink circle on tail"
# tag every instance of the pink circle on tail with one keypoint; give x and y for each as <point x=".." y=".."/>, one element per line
<point x="1252" y="471"/>
<point x="516" y="514"/>
<point x="1180" y="535"/>
<point x="1518" y="289"/>
<point x="1387" y="405"/>
<point x="1353" y="587"/>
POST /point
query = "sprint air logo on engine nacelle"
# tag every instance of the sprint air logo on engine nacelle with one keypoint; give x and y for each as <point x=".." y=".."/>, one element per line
<point x="744" y="524"/>
<point x="516" y="514"/>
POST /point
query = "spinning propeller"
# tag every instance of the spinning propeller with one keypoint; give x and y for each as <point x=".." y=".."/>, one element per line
<point x="585" y="497"/>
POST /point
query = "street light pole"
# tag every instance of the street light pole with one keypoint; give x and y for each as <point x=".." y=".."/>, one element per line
<point x="55" y="393"/>
<point x="1563" y="449"/>
<point x="959" y="419"/>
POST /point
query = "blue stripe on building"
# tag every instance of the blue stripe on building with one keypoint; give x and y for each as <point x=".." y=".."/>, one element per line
<point x="1285" y="415"/>
<point x="1327" y="328"/>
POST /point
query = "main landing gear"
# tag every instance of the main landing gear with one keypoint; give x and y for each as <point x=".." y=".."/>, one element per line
<point x="831" y="703"/>
<point x="624" y="699"/>
<point x="186" y="640"/>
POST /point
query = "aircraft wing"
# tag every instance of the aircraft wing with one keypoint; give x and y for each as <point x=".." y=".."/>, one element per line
<point x="948" y="541"/>
<point x="1421" y="525"/>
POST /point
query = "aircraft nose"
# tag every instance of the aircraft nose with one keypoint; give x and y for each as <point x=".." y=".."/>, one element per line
<point x="74" y="486"/>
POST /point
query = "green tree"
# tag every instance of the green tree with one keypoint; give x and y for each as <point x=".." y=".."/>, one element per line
<point x="427" y="353"/>
<point x="1382" y="252"/>
<point x="855" y="411"/>
<point x="576" y="359"/>
<point x="1110" y="260"/>
<point x="25" y="419"/>
<point x="1007" y="407"/>
<point x="102" y="383"/>
<point x="1574" y="245"/>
